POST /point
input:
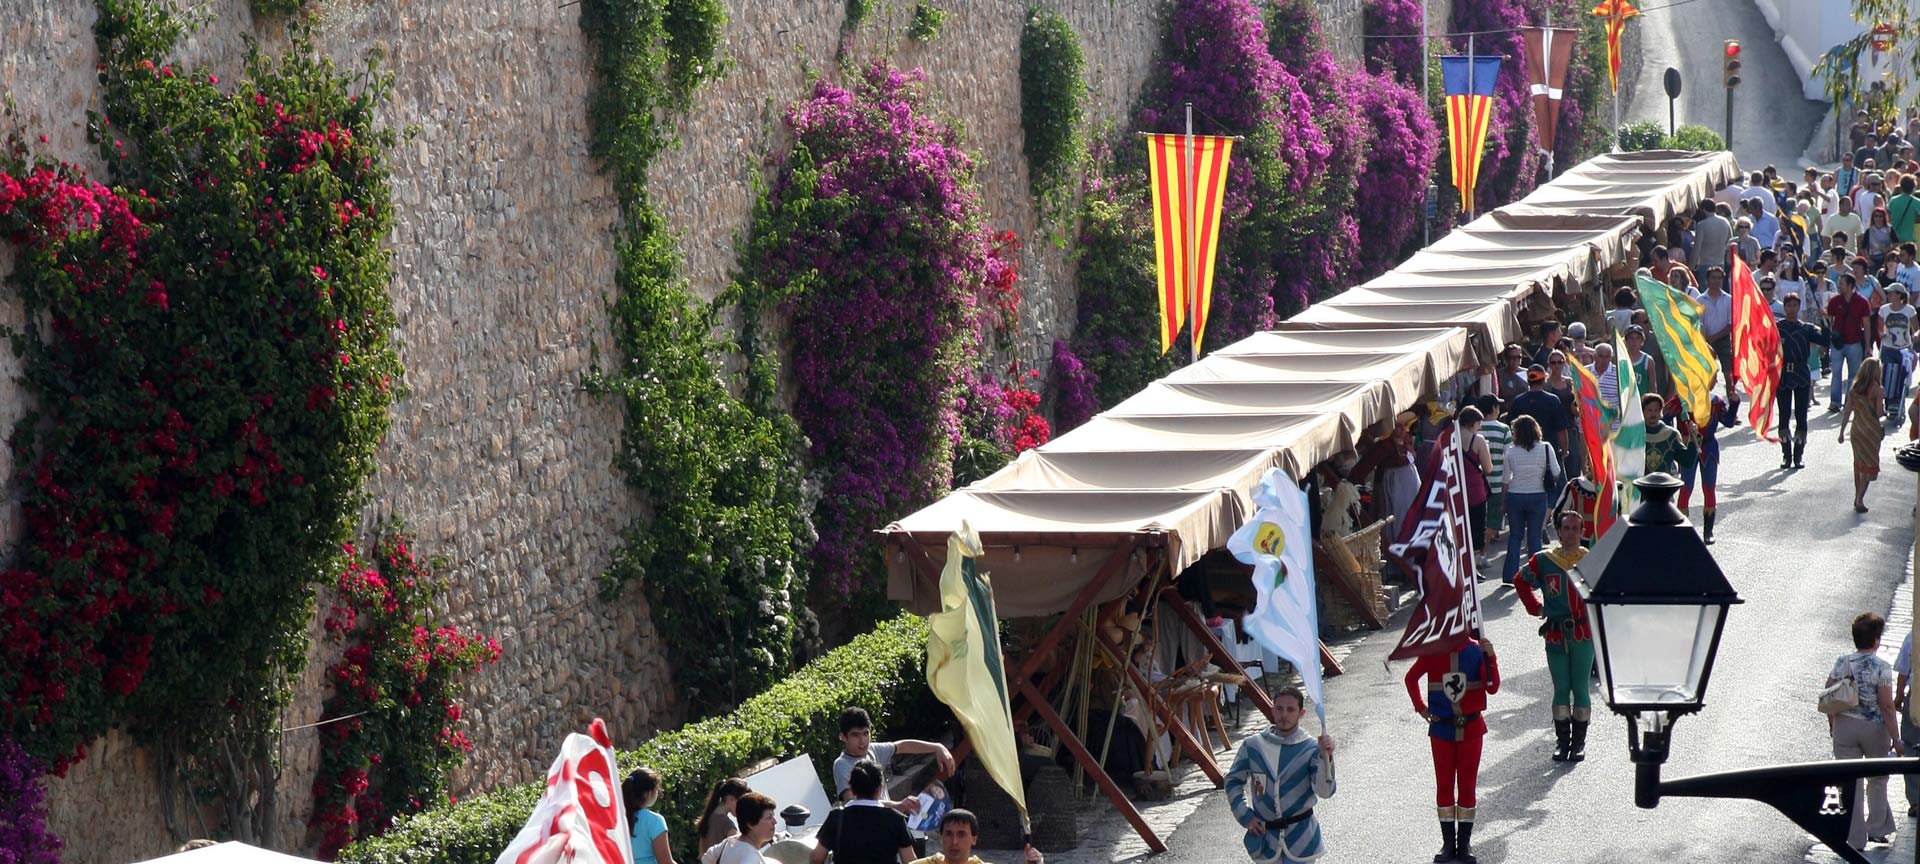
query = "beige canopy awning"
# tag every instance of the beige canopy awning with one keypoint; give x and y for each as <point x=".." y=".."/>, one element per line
<point x="1650" y="184"/>
<point x="1163" y="478"/>
<point x="1177" y="460"/>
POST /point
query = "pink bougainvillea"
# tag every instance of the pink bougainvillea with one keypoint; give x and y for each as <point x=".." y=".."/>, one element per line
<point x="1386" y="203"/>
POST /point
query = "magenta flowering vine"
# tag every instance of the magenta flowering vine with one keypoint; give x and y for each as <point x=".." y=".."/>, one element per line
<point x="24" y="836"/>
<point x="872" y="242"/>
<point x="1072" y="389"/>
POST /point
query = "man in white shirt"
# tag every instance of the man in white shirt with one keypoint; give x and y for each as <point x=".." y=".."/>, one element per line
<point x="1907" y="271"/>
<point x="1867" y="196"/>
<point x="1896" y="336"/>
<point x="1758" y="190"/>
<point x="1716" y="322"/>
<point x="1829" y="195"/>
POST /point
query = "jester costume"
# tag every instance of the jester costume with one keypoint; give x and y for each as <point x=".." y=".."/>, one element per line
<point x="1569" y="644"/>
<point x="1276" y="779"/>
<point x="1457" y="688"/>
<point x="1583" y="497"/>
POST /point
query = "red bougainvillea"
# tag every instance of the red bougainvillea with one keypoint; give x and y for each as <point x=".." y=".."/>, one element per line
<point x="391" y="729"/>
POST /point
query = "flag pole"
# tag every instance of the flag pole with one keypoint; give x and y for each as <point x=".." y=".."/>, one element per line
<point x="1473" y="89"/>
<point x="1615" y="27"/>
<point x="1460" y="475"/>
<point x="1546" y="75"/>
<point x="1426" y="96"/>
<point x="1193" y="255"/>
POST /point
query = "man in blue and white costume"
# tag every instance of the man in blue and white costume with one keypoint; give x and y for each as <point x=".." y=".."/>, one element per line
<point x="1276" y="778"/>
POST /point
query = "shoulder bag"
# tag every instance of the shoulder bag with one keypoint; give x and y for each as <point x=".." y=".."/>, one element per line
<point x="1842" y="695"/>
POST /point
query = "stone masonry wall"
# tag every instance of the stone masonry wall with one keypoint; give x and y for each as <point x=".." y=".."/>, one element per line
<point x="503" y="262"/>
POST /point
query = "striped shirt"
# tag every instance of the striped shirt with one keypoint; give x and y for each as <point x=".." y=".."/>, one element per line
<point x="1527" y="469"/>
<point x="1498" y="434"/>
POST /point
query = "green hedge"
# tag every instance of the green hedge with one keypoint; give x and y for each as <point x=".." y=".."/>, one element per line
<point x="882" y="671"/>
<point x="1648" y="135"/>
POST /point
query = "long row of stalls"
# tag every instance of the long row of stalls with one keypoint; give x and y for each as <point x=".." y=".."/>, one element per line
<point x="1095" y="529"/>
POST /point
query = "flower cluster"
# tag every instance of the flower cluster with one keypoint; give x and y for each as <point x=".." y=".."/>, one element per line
<point x="1399" y="53"/>
<point x="871" y="241"/>
<point x="1072" y="387"/>
<point x="184" y="490"/>
<point x="392" y="727"/>
<point x="24" y="837"/>
<point x="1395" y="176"/>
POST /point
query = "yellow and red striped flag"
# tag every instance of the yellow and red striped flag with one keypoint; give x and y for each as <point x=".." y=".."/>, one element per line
<point x="1594" y="433"/>
<point x="1186" y="191"/>
<point x="1469" y="82"/>
<point x="1616" y="12"/>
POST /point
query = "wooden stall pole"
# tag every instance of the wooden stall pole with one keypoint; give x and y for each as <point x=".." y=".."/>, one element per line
<point x="1120" y="802"/>
<point x="1220" y="652"/>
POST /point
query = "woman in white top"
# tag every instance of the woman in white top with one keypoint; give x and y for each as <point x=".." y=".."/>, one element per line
<point x="1530" y="466"/>
<point x="754" y="812"/>
<point x="1870" y="729"/>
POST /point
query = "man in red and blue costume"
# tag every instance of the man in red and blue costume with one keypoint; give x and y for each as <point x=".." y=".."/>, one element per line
<point x="1457" y="688"/>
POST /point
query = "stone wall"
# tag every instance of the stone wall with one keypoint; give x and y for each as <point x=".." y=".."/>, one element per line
<point x="503" y="264"/>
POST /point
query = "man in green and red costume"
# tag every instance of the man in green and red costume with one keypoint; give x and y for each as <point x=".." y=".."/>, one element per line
<point x="1568" y="635"/>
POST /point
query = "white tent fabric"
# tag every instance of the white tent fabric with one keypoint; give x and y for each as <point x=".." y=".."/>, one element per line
<point x="231" y="852"/>
<point x="1170" y="468"/>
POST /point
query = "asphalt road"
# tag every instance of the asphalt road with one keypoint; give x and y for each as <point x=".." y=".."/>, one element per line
<point x="1772" y="121"/>
<point x="1805" y="565"/>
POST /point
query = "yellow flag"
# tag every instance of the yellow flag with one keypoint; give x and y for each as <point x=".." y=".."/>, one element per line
<point x="963" y="663"/>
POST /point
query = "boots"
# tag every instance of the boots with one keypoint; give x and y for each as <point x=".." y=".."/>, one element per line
<point x="1463" y="849"/>
<point x="1579" y="751"/>
<point x="1563" y="735"/>
<point x="1447" y="849"/>
<point x="1707" y="518"/>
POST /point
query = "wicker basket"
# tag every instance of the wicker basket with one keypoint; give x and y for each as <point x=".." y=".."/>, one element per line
<point x="1357" y="556"/>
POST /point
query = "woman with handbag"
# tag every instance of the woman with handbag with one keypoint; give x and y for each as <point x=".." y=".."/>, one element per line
<point x="1858" y="702"/>
<point x="1530" y="473"/>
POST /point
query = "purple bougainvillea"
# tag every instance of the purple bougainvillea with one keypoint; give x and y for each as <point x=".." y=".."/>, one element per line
<point x="873" y="239"/>
<point x="24" y="836"/>
<point x="1072" y="389"/>
<point x="1396" y="175"/>
<point x="1398" y="55"/>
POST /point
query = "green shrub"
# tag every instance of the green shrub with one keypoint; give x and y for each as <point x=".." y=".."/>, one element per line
<point x="1053" y="107"/>
<point x="882" y="671"/>
<point x="927" y="19"/>
<point x="1645" y="135"/>
<point x="1694" y="136"/>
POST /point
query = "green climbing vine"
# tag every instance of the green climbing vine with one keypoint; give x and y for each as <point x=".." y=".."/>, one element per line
<point x="927" y="19"/>
<point x="1053" y="107"/>
<point x="719" y="551"/>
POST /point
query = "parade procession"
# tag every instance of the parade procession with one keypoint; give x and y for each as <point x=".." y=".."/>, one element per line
<point x="959" y="431"/>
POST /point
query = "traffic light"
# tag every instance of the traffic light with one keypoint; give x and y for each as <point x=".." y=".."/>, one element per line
<point x="1730" y="67"/>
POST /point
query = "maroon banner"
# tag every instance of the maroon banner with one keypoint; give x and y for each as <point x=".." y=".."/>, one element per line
<point x="1435" y="541"/>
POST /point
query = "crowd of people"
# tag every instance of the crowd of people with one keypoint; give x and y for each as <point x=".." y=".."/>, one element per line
<point x="738" y="825"/>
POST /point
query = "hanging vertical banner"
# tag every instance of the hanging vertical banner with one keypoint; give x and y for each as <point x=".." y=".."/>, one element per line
<point x="1756" y="349"/>
<point x="1184" y="191"/>
<point x="964" y="669"/>
<point x="1436" y="541"/>
<point x="1549" y="49"/>
<point x="1593" y="433"/>
<point x="1278" y="542"/>
<point x="1469" y="82"/>
<point x="1616" y="12"/>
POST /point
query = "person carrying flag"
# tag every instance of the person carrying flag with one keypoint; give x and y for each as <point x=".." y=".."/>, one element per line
<point x="1567" y="633"/>
<point x="1275" y="779"/>
<point x="1703" y="456"/>
<point x="1458" y="684"/>
<point x="1796" y="382"/>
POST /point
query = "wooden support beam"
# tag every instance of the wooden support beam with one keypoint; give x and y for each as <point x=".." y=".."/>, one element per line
<point x="1201" y="755"/>
<point x="1172" y="597"/>
<point x="1093" y="768"/>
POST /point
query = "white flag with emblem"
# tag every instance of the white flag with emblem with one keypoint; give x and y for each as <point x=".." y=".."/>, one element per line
<point x="580" y="819"/>
<point x="1278" y="542"/>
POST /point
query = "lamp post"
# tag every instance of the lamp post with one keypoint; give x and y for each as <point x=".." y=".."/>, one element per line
<point x="1659" y="604"/>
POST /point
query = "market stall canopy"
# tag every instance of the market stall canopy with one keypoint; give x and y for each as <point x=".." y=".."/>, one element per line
<point x="1650" y="184"/>
<point x="1175" y="462"/>
<point x="231" y="852"/>
<point x="1162" y="478"/>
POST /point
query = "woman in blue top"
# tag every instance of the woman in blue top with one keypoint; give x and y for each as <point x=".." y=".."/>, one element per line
<point x="639" y="791"/>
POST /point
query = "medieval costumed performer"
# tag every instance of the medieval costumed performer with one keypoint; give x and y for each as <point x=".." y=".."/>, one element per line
<point x="1459" y="670"/>
<point x="1279" y="774"/>
<point x="1568" y="634"/>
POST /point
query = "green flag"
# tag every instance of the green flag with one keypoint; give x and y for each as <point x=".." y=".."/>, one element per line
<point x="1630" y="438"/>
<point x="964" y="668"/>
<point x="1676" y="325"/>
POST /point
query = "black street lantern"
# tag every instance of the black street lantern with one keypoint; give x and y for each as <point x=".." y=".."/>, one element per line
<point x="1658" y="605"/>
